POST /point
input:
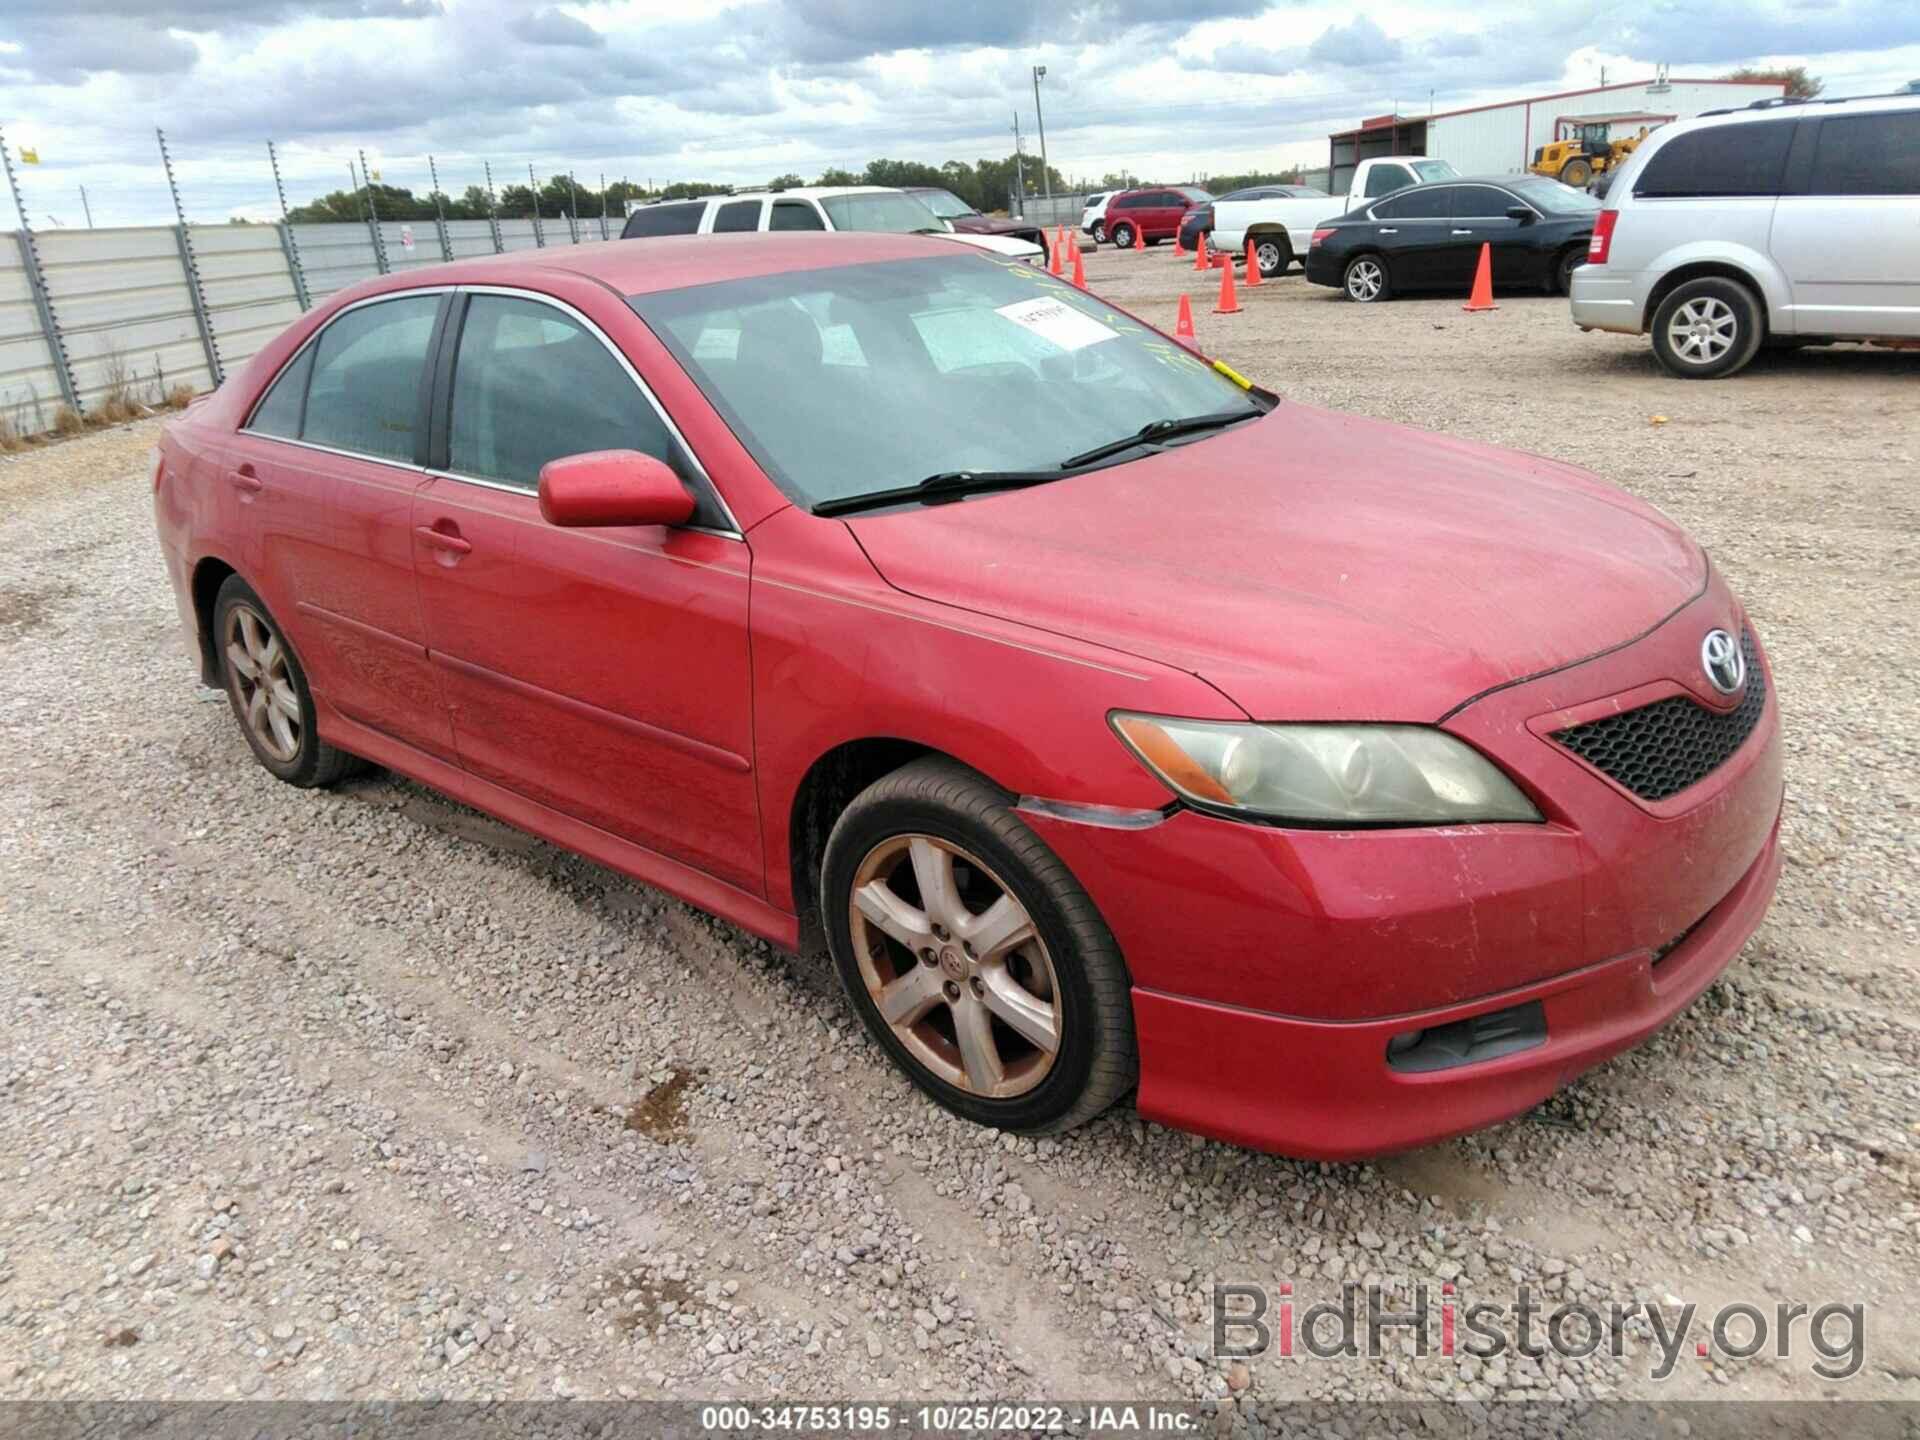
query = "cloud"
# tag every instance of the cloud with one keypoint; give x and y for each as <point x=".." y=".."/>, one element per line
<point x="59" y="54"/>
<point x="1359" y="43"/>
<point x="548" y="26"/>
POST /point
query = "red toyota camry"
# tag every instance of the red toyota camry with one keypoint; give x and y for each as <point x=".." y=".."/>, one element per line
<point x="1115" y="723"/>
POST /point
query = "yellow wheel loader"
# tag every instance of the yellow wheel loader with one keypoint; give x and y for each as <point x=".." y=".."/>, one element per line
<point x="1583" y="146"/>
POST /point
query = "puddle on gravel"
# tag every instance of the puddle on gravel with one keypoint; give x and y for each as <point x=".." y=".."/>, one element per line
<point x="661" y="1113"/>
<point x="643" y="1297"/>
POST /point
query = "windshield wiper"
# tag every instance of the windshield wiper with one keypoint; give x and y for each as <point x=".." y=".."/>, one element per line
<point x="1155" y="430"/>
<point x="947" y="485"/>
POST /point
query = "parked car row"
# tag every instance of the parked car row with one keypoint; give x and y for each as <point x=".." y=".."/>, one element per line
<point x="868" y="208"/>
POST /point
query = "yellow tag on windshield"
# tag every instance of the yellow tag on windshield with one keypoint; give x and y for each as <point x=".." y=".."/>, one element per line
<point x="1232" y="374"/>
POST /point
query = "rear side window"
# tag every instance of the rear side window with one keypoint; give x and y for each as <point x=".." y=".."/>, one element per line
<point x="1721" y="161"/>
<point x="795" y="215"/>
<point x="1420" y="204"/>
<point x="367" y="367"/>
<point x="740" y="215"/>
<point x="279" y="413"/>
<point x="664" y="220"/>
<point x="1868" y="155"/>
<point x="531" y="384"/>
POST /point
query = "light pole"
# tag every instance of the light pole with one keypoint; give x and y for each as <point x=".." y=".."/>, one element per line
<point x="1046" y="178"/>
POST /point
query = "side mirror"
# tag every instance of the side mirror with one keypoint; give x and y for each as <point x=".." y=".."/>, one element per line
<point x="612" y="487"/>
<point x="1520" y="213"/>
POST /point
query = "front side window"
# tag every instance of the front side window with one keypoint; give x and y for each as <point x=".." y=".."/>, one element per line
<point x="882" y="210"/>
<point x="1385" y="179"/>
<point x="1427" y="202"/>
<point x="862" y="378"/>
<point x="1480" y="202"/>
<point x="367" y="366"/>
<point x="1723" y="160"/>
<point x="531" y="384"/>
<point x="736" y="216"/>
<point x="795" y="215"/>
<point x="1868" y="155"/>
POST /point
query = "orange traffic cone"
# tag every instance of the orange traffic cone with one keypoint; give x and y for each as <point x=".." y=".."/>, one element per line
<point x="1139" y="239"/>
<point x="1079" y="269"/>
<point x="1059" y="234"/>
<point x="1178" y="248"/>
<point x="1253" y="266"/>
<point x="1183" y="327"/>
<point x="1228" y="304"/>
<point x="1482" y="297"/>
<point x="1200" y="261"/>
<point x="1054" y="259"/>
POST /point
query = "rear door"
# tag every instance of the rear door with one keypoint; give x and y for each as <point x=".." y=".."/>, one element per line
<point x="601" y="671"/>
<point x="1411" y="230"/>
<point x="1850" y="244"/>
<point x="736" y="217"/>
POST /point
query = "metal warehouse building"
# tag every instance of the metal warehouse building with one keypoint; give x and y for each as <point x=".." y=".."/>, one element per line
<point x="1499" y="139"/>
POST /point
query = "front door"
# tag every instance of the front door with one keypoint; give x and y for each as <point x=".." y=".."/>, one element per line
<point x="1480" y="218"/>
<point x="600" y="671"/>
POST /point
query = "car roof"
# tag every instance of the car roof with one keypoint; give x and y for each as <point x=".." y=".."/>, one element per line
<point x="674" y="262"/>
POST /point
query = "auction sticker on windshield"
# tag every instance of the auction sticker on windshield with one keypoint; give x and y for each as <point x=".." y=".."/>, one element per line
<point x="1057" y="323"/>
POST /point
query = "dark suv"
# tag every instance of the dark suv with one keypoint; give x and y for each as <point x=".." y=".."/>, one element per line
<point x="969" y="221"/>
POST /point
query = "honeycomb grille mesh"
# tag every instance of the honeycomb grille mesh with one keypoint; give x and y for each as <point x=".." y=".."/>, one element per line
<point x="1660" y="749"/>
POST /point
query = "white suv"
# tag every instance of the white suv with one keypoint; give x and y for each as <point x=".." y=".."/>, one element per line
<point x="812" y="207"/>
<point x="1783" y="224"/>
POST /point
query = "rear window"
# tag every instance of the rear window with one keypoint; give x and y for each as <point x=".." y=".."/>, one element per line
<point x="664" y="220"/>
<point x="1724" y="160"/>
<point x="1868" y="155"/>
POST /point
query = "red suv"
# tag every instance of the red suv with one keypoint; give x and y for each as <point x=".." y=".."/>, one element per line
<point x="1114" y="723"/>
<point x="1155" y="212"/>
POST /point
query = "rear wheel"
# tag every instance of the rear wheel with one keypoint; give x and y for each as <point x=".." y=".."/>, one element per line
<point x="1273" y="254"/>
<point x="973" y="956"/>
<point x="268" y="692"/>
<point x="1123" y="235"/>
<point x="1576" y="172"/>
<point x="1707" y="328"/>
<point x="1366" y="279"/>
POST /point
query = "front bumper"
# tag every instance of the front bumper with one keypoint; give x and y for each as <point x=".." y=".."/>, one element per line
<point x="1272" y="966"/>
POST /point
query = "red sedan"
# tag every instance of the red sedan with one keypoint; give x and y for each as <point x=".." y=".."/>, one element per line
<point x="1113" y="722"/>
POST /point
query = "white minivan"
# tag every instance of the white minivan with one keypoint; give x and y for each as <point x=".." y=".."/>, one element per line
<point x="1783" y="224"/>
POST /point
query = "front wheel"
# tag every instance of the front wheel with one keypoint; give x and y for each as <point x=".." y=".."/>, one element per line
<point x="1099" y="232"/>
<point x="973" y="956"/>
<point x="1366" y="279"/>
<point x="1123" y="235"/>
<point x="1707" y="328"/>
<point x="1273" y="254"/>
<point x="1576" y="173"/>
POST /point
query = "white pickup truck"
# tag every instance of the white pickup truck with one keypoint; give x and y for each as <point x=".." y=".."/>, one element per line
<point x="1281" y="230"/>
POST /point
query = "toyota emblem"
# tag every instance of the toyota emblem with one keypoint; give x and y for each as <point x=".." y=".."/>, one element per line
<point x="1720" y="657"/>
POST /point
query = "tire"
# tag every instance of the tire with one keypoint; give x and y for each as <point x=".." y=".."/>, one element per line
<point x="1274" y="254"/>
<point x="1366" y="279"/>
<point x="281" y="732"/>
<point x="1123" y="235"/>
<point x="1065" y="979"/>
<point x="1576" y="173"/>
<point x="1708" y="328"/>
<point x="1570" y="260"/>
<point x="1099" y="233"/>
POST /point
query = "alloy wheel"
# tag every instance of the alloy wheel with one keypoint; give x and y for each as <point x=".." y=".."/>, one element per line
<point x="955" y="966"/>
<point x="261" y="683"/>
<point x="1364" y="280"/>
<point x="1703" y="330"/>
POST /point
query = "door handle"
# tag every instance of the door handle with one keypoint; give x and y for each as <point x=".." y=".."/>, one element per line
<point x="1463" y="232"/>
<point x="245" y="481"/>
<point x="447" y="540"/>
<point x="1389" y="229"/>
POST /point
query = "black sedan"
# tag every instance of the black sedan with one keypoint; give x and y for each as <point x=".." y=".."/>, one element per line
<point x="1428" y="237"/>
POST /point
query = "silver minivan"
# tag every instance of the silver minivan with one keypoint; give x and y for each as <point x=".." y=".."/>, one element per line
<point x="1783" y="224"/>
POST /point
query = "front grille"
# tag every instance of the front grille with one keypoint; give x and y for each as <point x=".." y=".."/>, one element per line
<point x="1660" y="749"/>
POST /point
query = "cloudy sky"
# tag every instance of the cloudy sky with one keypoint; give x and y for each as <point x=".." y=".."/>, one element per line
<point x="742" y="90"/>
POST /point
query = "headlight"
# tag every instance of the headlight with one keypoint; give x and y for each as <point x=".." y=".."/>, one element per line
<point x="1325" y="774"/>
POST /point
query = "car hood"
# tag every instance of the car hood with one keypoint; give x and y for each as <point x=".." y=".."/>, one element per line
<point x="1313" y="565"/>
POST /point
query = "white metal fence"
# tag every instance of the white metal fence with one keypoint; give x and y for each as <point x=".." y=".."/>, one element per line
<point x="86" y="313"/>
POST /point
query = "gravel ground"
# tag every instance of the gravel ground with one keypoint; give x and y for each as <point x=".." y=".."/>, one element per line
<point x="363" y="1094"/>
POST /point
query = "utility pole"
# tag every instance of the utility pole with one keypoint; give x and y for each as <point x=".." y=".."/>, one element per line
<point x="86" y="207"/>
<point x="1019" y="167"/>
<point x="1040" y="120"/>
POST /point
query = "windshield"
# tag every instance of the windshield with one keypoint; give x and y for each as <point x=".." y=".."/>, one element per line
<point x="1433" y="170"/>
<point x="863" y="378"/>
<point x="1554" y="198"/>
<point x="886" y="210"/>
<point x="943" y="203"/>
